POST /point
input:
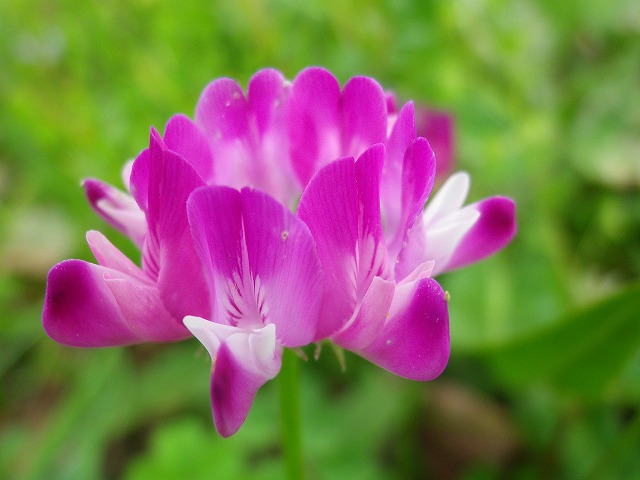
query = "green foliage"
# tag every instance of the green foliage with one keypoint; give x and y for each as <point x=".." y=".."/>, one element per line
<point x="545" y="363"/>
<point x="582" y="354"/>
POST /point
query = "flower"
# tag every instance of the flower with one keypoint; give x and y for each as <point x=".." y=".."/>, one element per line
<point x="263" y="271"/>
<point x="380" y="300"/>
<point x="399" y="323"/>
<point x="210" y="205"/>
<point x="116" y="302"/>
<point x="438" y="127"/>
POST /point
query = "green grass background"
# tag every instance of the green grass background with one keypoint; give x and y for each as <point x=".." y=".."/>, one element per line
<point x="544" y="379"/>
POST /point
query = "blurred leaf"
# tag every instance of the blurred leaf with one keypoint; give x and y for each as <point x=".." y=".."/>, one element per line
<point x="621" y="460"/>
<point x="581" y="354"/>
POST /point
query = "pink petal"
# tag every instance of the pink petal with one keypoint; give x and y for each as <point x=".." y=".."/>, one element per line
<point x="87" y="305"/>
<point x="139" y="179"/>
<point x="109" y="256"/>
<point x="495" y="228"/>
<point x="222" y="111"/>
<point x="268" y="92"/>
<point x="414" y="340"/>
<point x="248" y="137"/>
<point x="453" y="236"/>
<point x="437" y="232"/>
<point x="185" y="138"/>
<point x="329" y="206"/>
<point x="438" y="127"/>
<point x="436" y="243"/>
<point x="402" y="134"/>
<point x="364" y="116"/>
<point x="373" y="259"/>
<point x="341" y="206"/>
<point x="283" y="257"/>
<point x="368" y="319"/>
<point x="117" y="208"/>
<point x="260" y="261"/>
<point x="271" y="169"/>
<point x="169" y="253"/>
<point x="243" y="361"/>
<point x="314" y="122"/>
<point x="418" y="175"/>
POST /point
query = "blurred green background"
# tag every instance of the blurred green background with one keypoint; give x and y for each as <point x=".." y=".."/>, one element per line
<point x="544" y="379"/>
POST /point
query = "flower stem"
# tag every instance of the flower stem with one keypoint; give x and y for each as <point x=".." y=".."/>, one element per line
<point x="290" y="413"/>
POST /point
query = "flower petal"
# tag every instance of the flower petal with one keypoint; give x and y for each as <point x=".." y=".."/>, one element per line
<point x="185" y="138"/>
<point x="438" y="127"/>
<point x="449" y="198"/>
<point x="117" y="208"/>
<point x="169" y="253"/>
<point x="268" y="92"/>
<point x="364" y="116"/>
<point x="88" y="305"/>
<point x="418" y="175"/>
<point x="414" y="340"/>
<point x="222" y="111"/>
<point x="402" y="134"/>
<point x="260" y="261"/>
<point x="341" y="206"/>
<point x="283" y="258"/>
<point x="494" y="229"/>
<point x="139" y="179"/>
<point x="272" y="172"/>
<point x="248" y="135"/>
<point x="329" y="206"/>
<point x="369" y="317"/>
<point x="436" y="242"/>
<point x="243" y="361"/>
<point x="109" y="256"/>
<point x="313" y="118"/>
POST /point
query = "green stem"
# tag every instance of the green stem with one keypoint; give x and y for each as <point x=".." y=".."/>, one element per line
<point x="290" y="413"/>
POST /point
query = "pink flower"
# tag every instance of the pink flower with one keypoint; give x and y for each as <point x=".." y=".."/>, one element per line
<point x="399" y="323"/>
<point x="223" y="254"/>
<point x="266" y="285"/>
<point x="116" y="302"/>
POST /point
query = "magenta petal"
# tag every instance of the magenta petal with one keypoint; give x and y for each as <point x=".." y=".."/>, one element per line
<point x="493" y="230"/>
<point x="369" y="317"/>
<point x="364" y="116"/>
<point x="402" y="134"/>
<point x="269" y="167"/>
<point x="329" y="206"/>
<point x="87" y="305"/>
<point x="414" y="341"/>
<point x="183" y="137"/>
<point x="268" y="92"/>
<point x="139" y="179"/>
<point x="283" y="259"/>
<point x="418" y="175"/>
<point x="109" y="256"/>
<point x="215" y="219"/>
<point x="243" y="361"/>
<point x="373" y="259"/>
<point x="438" y="127"/>
<point x="222" y="110"/>
<point x="169" y="254"/>
<point x="117" y="208"/>
<point x="313" y="119"/>
<point x="260" y="260"/>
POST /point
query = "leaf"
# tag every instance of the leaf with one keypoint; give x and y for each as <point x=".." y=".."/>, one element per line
<point x="581" y="354"/>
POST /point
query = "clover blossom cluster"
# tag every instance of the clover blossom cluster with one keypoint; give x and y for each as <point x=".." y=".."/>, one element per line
<point x="287" y="215"/>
